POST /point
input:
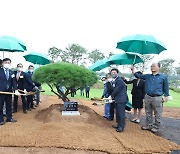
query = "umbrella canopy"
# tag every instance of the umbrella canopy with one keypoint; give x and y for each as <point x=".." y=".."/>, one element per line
<point x="10" y="46"/>
<point x="142" y="44"/>
<point x="99" y="65"/>
<point x="124" y="59"/>
<point x="16" y="40"/>
<point x="37" y="58"/>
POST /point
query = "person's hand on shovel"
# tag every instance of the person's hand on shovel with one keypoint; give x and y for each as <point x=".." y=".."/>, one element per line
<point x="17" y="92"/>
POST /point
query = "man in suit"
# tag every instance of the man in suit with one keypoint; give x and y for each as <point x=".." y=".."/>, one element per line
<point x="30" y="85"/>
<point x="20" y="82"/>
<point x="119" y="94"/>
<point x="7" y="83"/>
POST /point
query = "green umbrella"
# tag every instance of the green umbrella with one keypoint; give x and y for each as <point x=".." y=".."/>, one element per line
<point x="37" y="58"/>
<point x="124" y="59"/>
<point x="10" y="46"/>
<point x="99" y="65"/>
<point x="16" y="40"/>
<point x="142" y="44"/>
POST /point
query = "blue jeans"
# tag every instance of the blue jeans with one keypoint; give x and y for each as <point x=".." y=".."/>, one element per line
<point x="107" y="110"/>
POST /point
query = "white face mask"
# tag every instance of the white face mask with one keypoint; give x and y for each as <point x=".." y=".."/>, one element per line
<point x="104" y="82"/>
<point x="31" y="71"/>
<point x="19" y="69"/>
<point x="109" y="79"/>
<point x="7" y="66"/>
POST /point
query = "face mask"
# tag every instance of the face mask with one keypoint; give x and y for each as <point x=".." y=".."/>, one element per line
<point x="31" y="71"/>
<point x="7" y="66"/>
<point x="114" y="75"/>
<point x="110" y="79"/>
<point x="19" y="69"/>
<point x="104" y="82"/>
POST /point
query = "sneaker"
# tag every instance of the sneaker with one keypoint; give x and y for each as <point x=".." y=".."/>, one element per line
<point x="154" y="130"/>
<point x="137" y="121"/>
<point x="146" y="128"/>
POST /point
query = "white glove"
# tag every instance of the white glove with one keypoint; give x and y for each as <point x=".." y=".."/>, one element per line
<point x="110" y="101"/>
<point x="16" y="92"/>
<point x="25" y="91"/>
<point x="36" y="87"/>
<point x="110" y="98"/>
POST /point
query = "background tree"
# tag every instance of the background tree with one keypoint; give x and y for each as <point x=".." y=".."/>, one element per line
<point x="110" y="54"/>
<point x="64" y="74"/>
<point x="167" y="66"/>
<point x="95" y="55"/>
<point x="73" y="54"/>
<point x="54" y="53"/>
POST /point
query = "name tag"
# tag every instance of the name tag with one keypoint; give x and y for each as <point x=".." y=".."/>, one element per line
<point x="12" y="76"/>
<point x="21" y="77"/>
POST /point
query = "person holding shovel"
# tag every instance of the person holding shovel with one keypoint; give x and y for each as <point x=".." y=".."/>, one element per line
<point x="20" y="82"/>
<point x="7" y="85"/>
<point x="119" y="94"/>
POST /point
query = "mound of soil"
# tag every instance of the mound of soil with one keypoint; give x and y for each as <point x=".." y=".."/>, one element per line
<point x="53" y="114"/>
<point x="46" y="127"/>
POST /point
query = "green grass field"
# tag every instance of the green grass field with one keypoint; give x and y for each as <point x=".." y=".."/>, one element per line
<point x="98" y="93"/>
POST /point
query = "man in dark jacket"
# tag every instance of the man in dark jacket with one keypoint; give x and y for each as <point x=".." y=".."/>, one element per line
<point x="7" y="85"/>
<point x="20" y="82"/>
<point x="119" y="94"/>
<point x="29" y="87"/>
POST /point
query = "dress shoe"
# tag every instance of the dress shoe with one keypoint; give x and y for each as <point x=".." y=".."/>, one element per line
<point x="14" y="111"/>
<point x="11" y="120"/>
<point x="2" y="123"/>
<point x="36" y="105"/>
<point x="119" y="130"/>
<point x="25" y="112"/>
<point x="29" y="109"/>
<point x="115" y="126"/>
<point x="109" y="119"/>
<point x="33" y="108"/>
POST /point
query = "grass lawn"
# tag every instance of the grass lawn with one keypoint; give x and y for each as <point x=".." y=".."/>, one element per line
<point x="98" y="93"/>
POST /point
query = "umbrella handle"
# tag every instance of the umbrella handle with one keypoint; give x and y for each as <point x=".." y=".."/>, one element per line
<point x="134" y="60"/>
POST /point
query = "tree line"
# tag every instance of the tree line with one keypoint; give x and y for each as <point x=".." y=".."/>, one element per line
<point x="77" y="54"/>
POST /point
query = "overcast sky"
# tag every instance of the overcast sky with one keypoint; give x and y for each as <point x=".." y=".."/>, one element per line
<point x="94" y="24"/>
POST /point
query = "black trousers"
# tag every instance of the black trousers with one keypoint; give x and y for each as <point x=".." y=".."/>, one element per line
<point x="120" y="114"/>
<point x="30" y="103"/>
<point x="8" y="100"/>
<point x="112" y="108"/>
<point x="87" y="94"/>
<point x="24" y="103"/>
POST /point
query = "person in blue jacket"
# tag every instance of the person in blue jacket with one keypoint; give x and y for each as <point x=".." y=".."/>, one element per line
<point x="120" y="96"/>
<point x="30" y="85"/>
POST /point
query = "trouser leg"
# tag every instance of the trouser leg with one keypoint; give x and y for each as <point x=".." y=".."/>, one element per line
<point x="157" y="107"/>
<point x="8" y="100"/>
<point x="24" y="103"/>
<point x="15" y="103"/>
<point x="2" y="99"/>
<point x="148" y="109"/>
<point x="120" y="114"/>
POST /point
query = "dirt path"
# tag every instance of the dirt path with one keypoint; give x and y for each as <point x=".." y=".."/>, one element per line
<point x="45" y="130"/>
